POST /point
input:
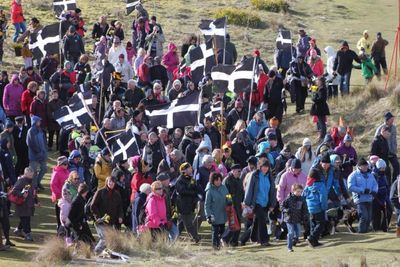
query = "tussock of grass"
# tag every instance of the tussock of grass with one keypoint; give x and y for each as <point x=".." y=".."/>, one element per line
<point x="395" y="97"/>
<point x="375" y="91"/>
<point x="271" y="5"/>
<point x="53" y="251"/>
<point x="240" y="17"/>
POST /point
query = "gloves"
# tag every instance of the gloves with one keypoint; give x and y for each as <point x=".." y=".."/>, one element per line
<point x="367" y="191"/>
<point x="209" y="220"/>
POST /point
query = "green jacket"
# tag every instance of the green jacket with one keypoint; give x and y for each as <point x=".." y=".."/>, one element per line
<point x="215" y="203"/>
<point x="368" y="69"/>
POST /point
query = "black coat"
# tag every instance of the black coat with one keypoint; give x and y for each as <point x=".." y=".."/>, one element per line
<point x="77" y="213"/>
<point x="73" y="46"/>
<point x="133" y="97"/>
<point x="21" y="148"/>
<point x="98" y="31"/>
<point x="28" y="207"/>
<point x="320" y="107"/>
<point x="233" y="117"/>
<point x="380" y="148"/>
<point x="159" y="72"/>
<point x="241" y="153"/>
<point x="273" y="91"/>
<point x="235" y="188"/>
<point x="7" y="165"/>
<point x="344" y="61"/>
<point x="48" y="67"/>
<point x="295" y="209"/>
<point x="52" y="106"/>
<point x="215" y="137"/>
<point x="186" y="190"/>
<point x="105" y="203"/>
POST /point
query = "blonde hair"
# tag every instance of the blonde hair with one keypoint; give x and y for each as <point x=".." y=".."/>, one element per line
<point x="217" y="155"/>
<point x="240" y="125"/>
<point x="154" y="185"/>
<point x="72" y="175"/>
<point x="141" y="52"/>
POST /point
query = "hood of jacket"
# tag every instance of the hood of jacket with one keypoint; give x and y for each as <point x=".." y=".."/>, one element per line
<point x="203" y="145"/>
<point x="13" y="78"/>
<point x="171" y="46"/>
<point x="333" y="158"/>
<point x="35" y="119"/>
<point x="330" y="51"/>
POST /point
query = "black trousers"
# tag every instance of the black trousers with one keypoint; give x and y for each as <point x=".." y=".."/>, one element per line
<point x="57" y="215"/>
<point x="51" y="137"/>
<point x="84" y="234"/>
<point x="216" y="234"/>
<point x="5" y="225"/>
<point x="317" y="226"/>
<point x="261" y="224"/>
<point x="25" y="224"/>
<point x="381" y="215"/>
<point x="300" y="94"/>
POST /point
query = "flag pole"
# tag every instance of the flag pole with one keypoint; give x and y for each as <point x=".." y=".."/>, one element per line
<point x="199" y="114"/>
<point x="226" y="22"/>
<point x="251" y="89"/>
<point x="214" y="42"/>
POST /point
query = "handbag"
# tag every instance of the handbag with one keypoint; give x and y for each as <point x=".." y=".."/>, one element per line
<point x="17" y="200"/>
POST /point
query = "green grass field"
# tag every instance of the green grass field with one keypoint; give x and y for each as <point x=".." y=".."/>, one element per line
<point x="329" y="22"/>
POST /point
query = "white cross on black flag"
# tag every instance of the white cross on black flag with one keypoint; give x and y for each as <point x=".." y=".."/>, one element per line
<point x="130" y="6"/>
<point x="284" y="39"/>
<point x="214" y="28"/>
<point x="62" y="5"/>
<point x="241" y="78"/>
<point x="46" y="41"/>
<point x="125" y="146"/>
<point x="181" y="112"/>
<point x="76" y="113"/>
<point x="202" y="60"/>
<point x="220" y="75"/>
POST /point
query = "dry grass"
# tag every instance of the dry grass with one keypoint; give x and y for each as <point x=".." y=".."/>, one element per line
<point x="53" y="251"/>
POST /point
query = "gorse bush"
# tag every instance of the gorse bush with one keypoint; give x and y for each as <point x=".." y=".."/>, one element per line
<point x="239" y="17"/>
<point x="271" y="5"/>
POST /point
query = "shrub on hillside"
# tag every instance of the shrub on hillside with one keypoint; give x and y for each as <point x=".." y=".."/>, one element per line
<point x="271" y="5"/>
<point x="53" y="252"/>
<point x="239" y="17"/>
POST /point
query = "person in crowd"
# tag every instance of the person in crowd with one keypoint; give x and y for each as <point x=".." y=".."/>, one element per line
<point x="316" y="196"/>
<point x="256" y="125"/>
<point x="366" y="66"/>
<point x="171" y="60"/>
<point x="239" y="112"/>
<point x="47" y="68"/>
<point x="102" y="167"/>
<point x="27" y="98"/>
<point x="31" y="75"/>
<point x="378" y="54"/>
<point x="381" y="206"/>
<point x="295" y="213"/>
<point x="24" y="188"/>
<point x="380" y="147"/>
<point x="6" y="160"/>
<point x="186" y="201"/>
<point x="123" y="189"/>
<point x="343" y="66"/>
<point x="75" y="164"/>
<point x="7" y="134"/>
<point x="306" y="155"/>
<point x="138" y="204"/>
<point x="320" y="108"/>
<point x="215" y="205"/>
<point x="293" y="175"/>
<point x="139" y="60"/>
<point x="364" y="43"/>
<point x="3" y="83"/>
<point x="392" y="142"/>
<point x="58" y="177"/>
<point x="17" y="19"/>
<point x="141" y="176"/>
<point x="303" y="43"/>
<point x="362" y="184"/>
<point x="100" y="28"/>
<point x="133" y="95"/>
<point x="106" y="207"/>
<point x="154" y="152"/>
<point x="348" y="154"/>
<point x="37" y="151"/>
<point x="332" y="80"/>
<point x="284" y="155"/>
<point x="116" y="50"/>
<point x="282" y="58"/>
<point x="171" y="163"/>
<point x="82" y="68"/>
<point x="273" y="96"/>
<point x="315" y="62"/>
<point x="156" y="211"/>
<point x="300" y="74"/>
<point x="12" y="97"/>
<point x="52" y="125"/>
<point x="123" y="67"/>
<point x="20" y="133"/>
<point x="77" y="216"/>
<point x="242" y="149"/>
<point x="64" y="81"/>
<point x="38" y="107"/>
<point x="73" y="45"/>
<point x="260" y="196"/>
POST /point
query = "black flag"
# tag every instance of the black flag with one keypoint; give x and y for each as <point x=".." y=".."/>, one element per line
<point x="284" y="39"/>
<point x="214" y="28"/>
<point x="202" y="60"/>
<point x="130" y="6"/>
<point x="60" y="5"/>
<point x="46" y="41"/>
<point x="125" y="146"/>
<point x="241" y="78"/>
<point x="220" y="75"/>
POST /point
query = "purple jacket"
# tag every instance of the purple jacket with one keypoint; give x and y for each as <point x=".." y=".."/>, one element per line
<point x="12" y="98"/>
<point x="285" y="184"/>
<point x="350" y="153"/>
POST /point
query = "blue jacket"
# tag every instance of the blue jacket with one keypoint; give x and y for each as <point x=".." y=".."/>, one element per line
<point x="253" y="129"/>
<point x="36" y="142"/>
<point x="78" y="168"/>
<point x="215" y="203"/>
<point x="383" y="188"/>
<point x="252" y="190"/>
<point x="316" y="197"/>
<point x="357" y="183"/>
<point x="261" y="149"/>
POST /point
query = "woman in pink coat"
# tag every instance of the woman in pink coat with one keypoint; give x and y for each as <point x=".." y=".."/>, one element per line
<point x="156" y="210"/>
<point x="171" y="60"/>
<point x="293" y="175"/>
<point x="58" y="178"/>
<point x="316" y="63"/>
<point x="12" y="98"/>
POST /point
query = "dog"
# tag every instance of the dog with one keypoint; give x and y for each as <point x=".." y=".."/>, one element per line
<point x="349" y="217"/>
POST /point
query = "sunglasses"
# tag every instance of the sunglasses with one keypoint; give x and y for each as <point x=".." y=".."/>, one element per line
<point x="157" y="189"/>
<point x="76" y="179"/>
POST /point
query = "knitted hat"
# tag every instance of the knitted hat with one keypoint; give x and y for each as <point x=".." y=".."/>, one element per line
<point x="74" y="154"/>
<point x="388" y="115"/>
<point x="236" y="167"/>
<point x="381" y="164"/>
<point x="252" y="160"/>
<point x="306" y="142"/>
<point x="296" y="164"/>
<point x="9" y="124"/>
<point x="145" y="188"/>
<point x="362" y="162"/>
<point x="325" y="158"/>
<point x="347" y="138"/>
<point x="62" y="160"/>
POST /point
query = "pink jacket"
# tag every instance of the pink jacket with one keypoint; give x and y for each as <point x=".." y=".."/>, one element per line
<point x="317" y="66"/>
<point x="286" y="182"/>
<point x="130" y="52"/>
<point x="156" y="211"/>
<point x="57" y="181"/>
<point x="65" y="208"/>
<point x="170" y="59"/>
<point x="12" y="98"/>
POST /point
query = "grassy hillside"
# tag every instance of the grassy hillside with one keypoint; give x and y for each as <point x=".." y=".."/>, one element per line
<point x="329" y="21"/>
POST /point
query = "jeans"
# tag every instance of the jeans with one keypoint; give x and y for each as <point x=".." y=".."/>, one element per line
<point x="261" y="218"/>
<point x="38" y="176"/>
<point x="173" y="233"/>
<point x="25" y="224"/>
<point x="47" y="87"/>
<point x="345" y="83"/>
<point x="293" y="232"/>
<point x="332" y="91"/>
<point x="217" y="231"/>
<point x="364" y="210"/>
<point x="316" y="226"/>
<point x="101" y="244"/>
<point x="19" y="28"/>
<point x="321" y="126"/>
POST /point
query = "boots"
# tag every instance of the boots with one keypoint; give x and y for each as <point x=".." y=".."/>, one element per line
<point x="398" y="232"/>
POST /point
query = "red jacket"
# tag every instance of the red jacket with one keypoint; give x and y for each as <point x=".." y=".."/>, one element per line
<point x="17" y="15"/>
<point x="38" y="108"/>
<point x="144" y="73"/>
<point x="137" y="180"/>
<point x="26" y="101"/>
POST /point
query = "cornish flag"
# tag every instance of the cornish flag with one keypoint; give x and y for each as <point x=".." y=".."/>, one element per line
<point x="125" y="146"/>
<point x="181" y="112"/>
<point x="76" y="113"/>
<point x="62" y="5"/>
<point x="284" y="39"/>
<point x="130" y="6"/>
<point x="220" y="75"/>
<point x="214" y="110"/>
<point x="202" y="60"/>
<point x="46" y="41"/>
<point x="241" y="78"/>
<point x="214" y="28"/>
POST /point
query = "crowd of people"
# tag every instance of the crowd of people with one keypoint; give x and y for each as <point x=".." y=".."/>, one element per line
<point x="244" y="178"/>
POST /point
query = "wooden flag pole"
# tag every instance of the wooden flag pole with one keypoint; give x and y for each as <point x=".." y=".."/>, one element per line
<point x="214" y="42"/>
